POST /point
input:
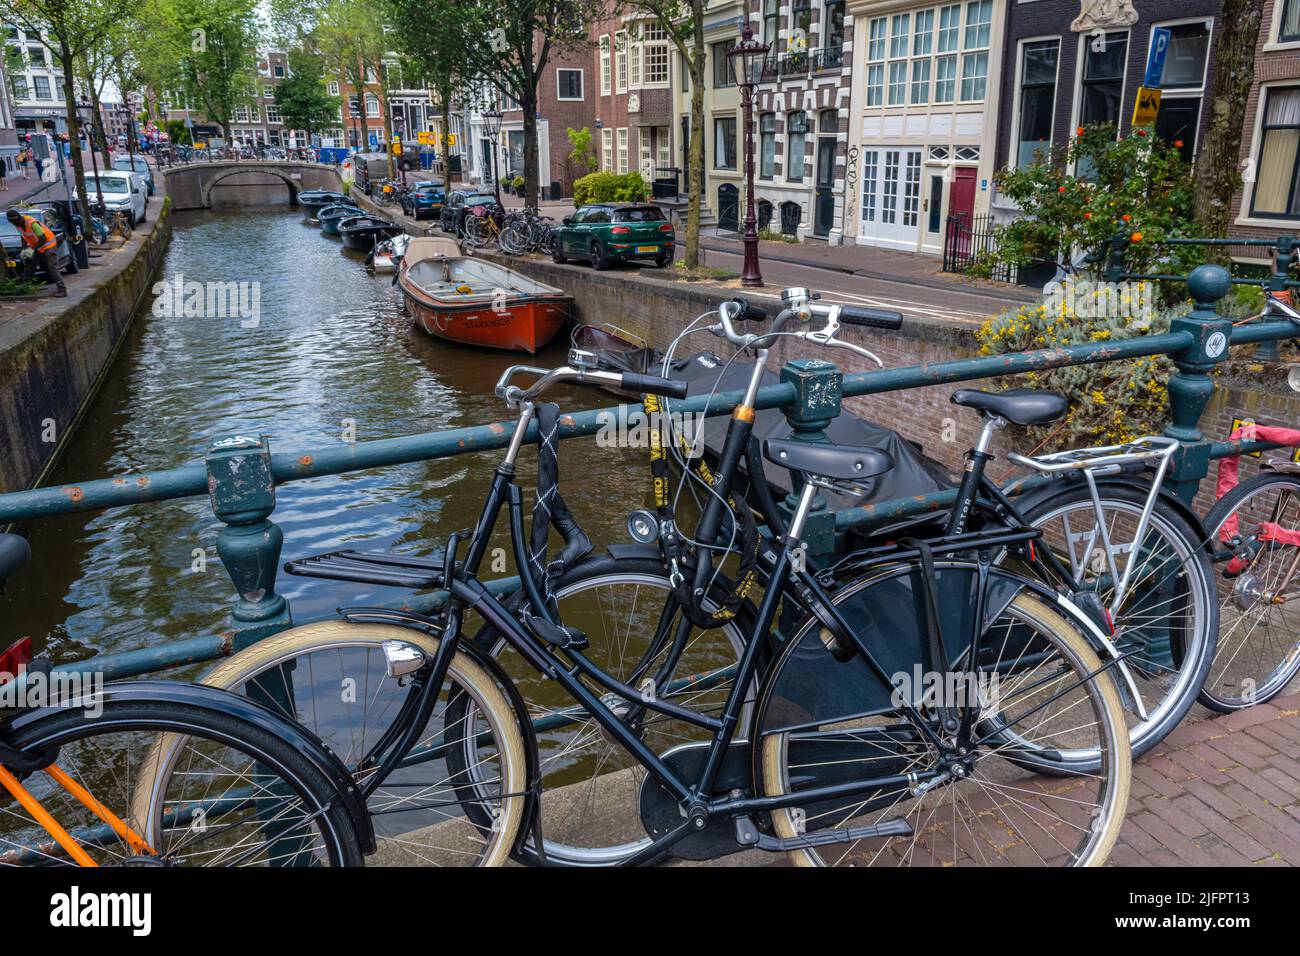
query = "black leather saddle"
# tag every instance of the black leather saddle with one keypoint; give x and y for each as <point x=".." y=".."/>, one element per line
<point x="1020" y="406"/>
<point x="836" y="462"/>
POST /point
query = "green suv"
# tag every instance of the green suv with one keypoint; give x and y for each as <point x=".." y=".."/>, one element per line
<point x="603" y="233"/>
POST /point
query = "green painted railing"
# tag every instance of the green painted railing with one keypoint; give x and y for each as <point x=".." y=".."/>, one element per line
<point x="240" y="473"/>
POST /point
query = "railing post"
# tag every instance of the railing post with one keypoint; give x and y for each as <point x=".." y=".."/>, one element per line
<point x="242" y="491"/>
<point x="1118" y="250"/>
<point x="818" y="390"/>
<point x="1267" y="351"/>
<point x="1191" y="388"/>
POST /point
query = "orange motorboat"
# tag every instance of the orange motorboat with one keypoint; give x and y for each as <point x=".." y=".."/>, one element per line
<point x="475" y="302"/>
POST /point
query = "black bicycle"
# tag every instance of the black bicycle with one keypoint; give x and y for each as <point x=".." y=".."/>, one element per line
<point x="915" y="736"/>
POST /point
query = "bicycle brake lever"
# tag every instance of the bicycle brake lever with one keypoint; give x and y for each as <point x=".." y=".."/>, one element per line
<point x="826" y="337"/>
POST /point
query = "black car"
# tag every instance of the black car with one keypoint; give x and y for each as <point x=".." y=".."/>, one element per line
<point x="12" y="242"/>
<point x="461" y="203"/>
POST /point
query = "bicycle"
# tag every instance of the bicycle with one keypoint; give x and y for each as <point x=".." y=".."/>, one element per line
<point x="481" y="228"/>
<point x="243" y="786"/>
<point x="760" y="753"/>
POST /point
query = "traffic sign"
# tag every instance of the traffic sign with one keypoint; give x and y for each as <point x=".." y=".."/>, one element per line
<point x="1146" y="106"/>
<point x="1156" y="58"/>
<point x="451" y="139"/>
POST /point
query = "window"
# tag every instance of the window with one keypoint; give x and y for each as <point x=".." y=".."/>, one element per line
<point x="923" y="37"/>
<point x="876" y="68"/>
<point x="622" y="149"/>
<point x="36" y="54"/>
<point x="974" y="76"/>
<point x="634" y="66"/>
<point x="898" y="83"/>
<point x="1038" y="62"/>
<point x="268" y="92"/>
<point x="767" y="146"/>
<point x="949" y="19"/>
<point x="19" y="83"/>
<point x="645" y="149"/>
<point x="833" y="25"/>
<point x="279" y="70"/>
<point x="620" y="61"/>
<point x="1184" y="85"/>
<point x="607" y="150"/>
<point x="917" y="58"/>
<point x="1275" y="178"/>
<point x="273" y="113"/>
<point x="654" y="55"/>
<point x="722" y="75"/>
<point x="920" y="82"/>
<point x="796" y="133"/>
<point x="241" y="114"/>
<point x="664" y="157"/>
<point x="1288" y="30"/>
<point x="255" y="114"/>
<point x="945" y="79"/>
<point x="1103" y="79"/>
<point x="724" y="142"/>
<point x="979" y="16"/>
<point x="42" y="86"/>
<point x="332" y="88"/>
<point x="771" y="22"/>
<point x="975" y="65"/>
<point x="604" y="65"/>
<point x="569" y="84"/>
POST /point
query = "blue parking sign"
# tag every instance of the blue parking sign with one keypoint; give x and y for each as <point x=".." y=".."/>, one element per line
<point x="1156" y="58"/>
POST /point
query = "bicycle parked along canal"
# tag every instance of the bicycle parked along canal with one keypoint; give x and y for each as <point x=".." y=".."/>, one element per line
<point x="729" y="737"/>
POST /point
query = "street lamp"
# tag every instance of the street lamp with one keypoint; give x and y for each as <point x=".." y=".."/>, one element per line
<point x="492" y="124"/>
<point x="747" y="60"/>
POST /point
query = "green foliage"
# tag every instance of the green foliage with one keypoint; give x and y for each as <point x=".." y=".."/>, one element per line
<point x="176" y="131"/>
<point x="610" y="187"/>
<point x="1138" y="186"/>
<point x="772" y="236"/>
<point x="215" y="41"/>
<point x="582" y="151"/>
<point x="1110" y="402"/>
<point x="302" y="97"/>
<point x="16" y="285"/>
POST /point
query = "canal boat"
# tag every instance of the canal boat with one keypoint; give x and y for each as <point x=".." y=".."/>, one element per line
<point x="330" y="216"/>
<point x="312" y="200"/>
<point x="475" y="302"/>
<point x="386" y="257"/>
<point x="362" y="232"/>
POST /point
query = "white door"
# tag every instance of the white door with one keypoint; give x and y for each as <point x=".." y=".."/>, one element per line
<point x="891" y="196"/>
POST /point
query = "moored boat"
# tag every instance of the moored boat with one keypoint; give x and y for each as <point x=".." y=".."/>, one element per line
<point x="312" y="200"/>
<point x="330" y="216"/>
<point x="386" y="257"/>
<point x="476" y="302"/>
<point x="362" y="232"/>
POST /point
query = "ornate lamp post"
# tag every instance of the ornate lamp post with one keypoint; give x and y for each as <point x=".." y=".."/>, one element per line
<point x="492" y="124"/>
<point x="747" y="59"/>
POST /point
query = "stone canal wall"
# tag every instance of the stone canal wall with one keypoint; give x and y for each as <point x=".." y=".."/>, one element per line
<point x="55" y="352"/>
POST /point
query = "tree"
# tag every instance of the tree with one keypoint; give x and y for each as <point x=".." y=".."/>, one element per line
<point x="1217" y="177"/>
<point x="581" y="151"/>
<point x="302" y="98"/>
<point x="683" y="22"/>
<point x="73" y="28"/>
<point x="516" y="44"/>
<point x="351" y="38"/>
<point x="214" y="41"/>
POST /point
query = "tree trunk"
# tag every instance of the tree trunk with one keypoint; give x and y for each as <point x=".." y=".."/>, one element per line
<point x="695" y="161"/>
<point x="74" y="131"/>
<point x="532" y="174"/>
<point x="1217" y="177"/>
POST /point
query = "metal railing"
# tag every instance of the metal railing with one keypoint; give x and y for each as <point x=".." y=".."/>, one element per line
<point x="240" y="473"/>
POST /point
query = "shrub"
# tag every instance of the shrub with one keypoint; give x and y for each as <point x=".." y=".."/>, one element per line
<point x="582" y="150"/>
<point x="609" y="187"/>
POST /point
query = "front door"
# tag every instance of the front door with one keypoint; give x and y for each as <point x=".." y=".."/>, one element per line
<point x="961" y="195"/>
<point x="728" y="208"/>
<point x="891" y="196"/>
<point x="824" y="215"/>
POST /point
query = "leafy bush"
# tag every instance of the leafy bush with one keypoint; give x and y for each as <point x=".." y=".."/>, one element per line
<point x="582" y="149"/>
<point x="610" y="187"/>
<point x="1110" y="402"/>
<point x="17" y="285"/>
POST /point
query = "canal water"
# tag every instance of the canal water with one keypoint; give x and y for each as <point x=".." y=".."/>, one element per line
<point x="332" y="353"/>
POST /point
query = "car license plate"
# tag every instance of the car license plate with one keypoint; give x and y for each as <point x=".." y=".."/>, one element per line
<point x="647" y="248"/>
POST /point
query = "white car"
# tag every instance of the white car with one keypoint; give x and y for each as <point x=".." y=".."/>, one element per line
<point x="123" y="192"/>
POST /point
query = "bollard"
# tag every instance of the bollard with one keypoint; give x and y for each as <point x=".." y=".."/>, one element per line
<point x="1191" y="388"/>
<point x="242" y="491"/>
<point x="818" y="391"/>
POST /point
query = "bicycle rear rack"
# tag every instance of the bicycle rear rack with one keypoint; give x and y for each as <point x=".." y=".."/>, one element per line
<point x="372" y="567"/>
<point x="1102" y="460"/>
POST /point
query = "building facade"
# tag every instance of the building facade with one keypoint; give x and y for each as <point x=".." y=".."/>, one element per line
<point x="8" y="129"/>
<point x="36" y="82"/>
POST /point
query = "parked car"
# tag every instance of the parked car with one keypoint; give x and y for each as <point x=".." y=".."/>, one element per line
<point x="459" y="204"/>
<point x="425" y="199"/>
<point x="123" y="192"/>
<point x="138" y="165"/>
<point x="12" y="241"/>
<point x="603" y="233"/>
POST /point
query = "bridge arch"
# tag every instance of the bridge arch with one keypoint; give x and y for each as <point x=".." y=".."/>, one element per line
<point x="192" y="186"/>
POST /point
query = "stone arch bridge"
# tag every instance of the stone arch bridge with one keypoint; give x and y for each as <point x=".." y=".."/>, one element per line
<point x="245" y="183"/>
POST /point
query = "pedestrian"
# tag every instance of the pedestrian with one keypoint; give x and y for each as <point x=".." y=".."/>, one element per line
<point x="4" y="172"/>
<point x="39" y="242"/>
<point x="24" y="158"/>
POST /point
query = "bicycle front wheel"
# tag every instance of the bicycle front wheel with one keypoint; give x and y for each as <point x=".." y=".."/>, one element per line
<point x="1255" y="571"/>
<point x="825" y="722"/>
<point x="232" y="794"/>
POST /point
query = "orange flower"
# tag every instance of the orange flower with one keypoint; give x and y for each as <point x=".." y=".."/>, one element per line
<point x="1061" y="189"/>
<point x="1141" y="132"/>
<point x="1126" y="217"/>
<point x="1079" y="131"/>
<point x="1136" y="237"/>
<point x="1178" y="144"/>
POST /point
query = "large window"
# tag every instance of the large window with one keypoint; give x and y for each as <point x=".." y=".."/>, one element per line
<point x="607" y="150"/>
<point x="796" y="134"/>
<point x="272" y="113"/>
<point x="1038" y="63"/>
<point x="833" y="25"/>
<point x="1279" y="149"/>
<point x="620" y="61"/>
<point x="1288" y="30"/>
<point x="767" y="146"/>
<point x="569" y="84"/>
<point x="1184" y="85"/>
<point x="875" y="62"/>
<point x="936" y="55"/>
<point x="724" y="142"/>
<point x="622" y="149"/>
<point x="654" y="55"/>
<point x="1103" y="79"/>
<point x="42" y="84"/>
<point x="771" y="23"/>
<point x="722" y="75"/>
<point x="604" y="65"/>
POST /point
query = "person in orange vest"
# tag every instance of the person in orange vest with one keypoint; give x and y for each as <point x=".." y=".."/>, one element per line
<point x="39" y="240"/>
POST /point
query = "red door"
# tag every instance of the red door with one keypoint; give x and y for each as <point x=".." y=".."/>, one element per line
<point x="961" y="194"/>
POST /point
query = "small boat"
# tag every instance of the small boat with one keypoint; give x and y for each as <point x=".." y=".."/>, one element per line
<point x="476" y="302"/>
<point x="312" y="200"/>
<point x="362" y="232"/>
<point x="386" y="257"/>
<point x="330" y="216"/>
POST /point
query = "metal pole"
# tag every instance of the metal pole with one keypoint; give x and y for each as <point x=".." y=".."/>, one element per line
<point x="496" y="172"/>
<point x="750" y="277"/>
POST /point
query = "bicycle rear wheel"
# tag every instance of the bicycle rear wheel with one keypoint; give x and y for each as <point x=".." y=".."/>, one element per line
<point x="1258" y="653"/>
<point x="234" y="793"/>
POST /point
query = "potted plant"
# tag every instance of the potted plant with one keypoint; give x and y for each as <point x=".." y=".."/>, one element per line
<point x="518" y="184"/>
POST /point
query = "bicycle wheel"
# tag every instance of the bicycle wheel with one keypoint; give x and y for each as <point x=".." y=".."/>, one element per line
<point x="476" y="232"/>
<point x="590" y="808"/>
<point x="332" y="678"/>
<point x="234" y="794"/>
<point x="823" y="722"/>
<point x="512" y="241"/>
<point x="1258" y="653"/>
<point x="1168" y="617"/>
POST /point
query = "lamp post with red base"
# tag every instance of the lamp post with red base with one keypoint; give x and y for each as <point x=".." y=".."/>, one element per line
<point x="747" y="60"/>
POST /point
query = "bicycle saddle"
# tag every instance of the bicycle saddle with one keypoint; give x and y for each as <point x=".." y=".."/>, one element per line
<point x="14" y="552"/>
<point x="1020" y="406"/>
<point x="837" y="462"/>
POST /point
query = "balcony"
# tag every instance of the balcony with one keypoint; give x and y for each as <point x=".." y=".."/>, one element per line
<point x="802" y="63"/>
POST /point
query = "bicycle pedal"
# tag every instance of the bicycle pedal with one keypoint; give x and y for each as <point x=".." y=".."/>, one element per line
<point x="749" y="835"/>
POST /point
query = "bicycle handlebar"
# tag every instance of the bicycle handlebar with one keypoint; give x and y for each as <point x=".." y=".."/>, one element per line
<point x="629" y="381"/>
<point x="800" y="305"/>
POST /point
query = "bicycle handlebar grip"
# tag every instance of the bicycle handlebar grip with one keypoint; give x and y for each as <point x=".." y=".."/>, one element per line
<point x="748" y="311"/>
<point x="876" y="318"/>
<point x="654" y="385"/>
